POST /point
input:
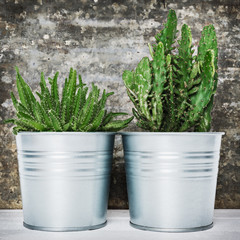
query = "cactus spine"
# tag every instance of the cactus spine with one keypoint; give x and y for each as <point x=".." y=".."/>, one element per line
<point x="74" y="111"/>
<point x="174" y="91"/>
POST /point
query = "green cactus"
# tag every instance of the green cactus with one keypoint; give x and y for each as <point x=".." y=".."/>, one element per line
<point x="168" y="35"/>
<point x="74" y="111"/>
<point x="208" y="41"/>
<point x="174" y="91"/>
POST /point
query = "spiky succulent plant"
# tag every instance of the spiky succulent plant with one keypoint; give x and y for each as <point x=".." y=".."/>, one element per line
<point x="74" y="111"/>
<point x="174" y="91"/>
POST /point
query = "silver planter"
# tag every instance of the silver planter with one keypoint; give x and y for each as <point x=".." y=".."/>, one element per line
<point x="171" y="179"/>
<point x="64" y="179"/>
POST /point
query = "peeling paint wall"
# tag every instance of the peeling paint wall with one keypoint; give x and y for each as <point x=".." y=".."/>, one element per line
<point x="102" y="38"/>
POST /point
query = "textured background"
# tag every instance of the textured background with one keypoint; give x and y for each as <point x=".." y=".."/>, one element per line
<point x="101" y="39"/>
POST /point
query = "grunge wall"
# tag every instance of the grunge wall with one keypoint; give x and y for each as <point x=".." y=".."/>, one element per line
<point x="102" y="38"/>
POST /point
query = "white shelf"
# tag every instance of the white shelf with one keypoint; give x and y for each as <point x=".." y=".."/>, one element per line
<point x="226" y="227"/>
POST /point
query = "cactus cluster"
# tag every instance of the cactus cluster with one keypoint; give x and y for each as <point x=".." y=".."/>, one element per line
<point x="75" y="110"/>
<point x="174" y="91"/>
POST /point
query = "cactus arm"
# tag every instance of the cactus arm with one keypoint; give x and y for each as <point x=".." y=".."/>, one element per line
<point x="144" y="69"/>
<point x="154" y="109"/>
<point x="70" y="74"/>
<point x="110" y="116"/>
<point x="81" y="84"/>
<point x="20" y="124"/>
<point x="143" y="80"/>
<point x="168" y="35"/>
<point x="205" y="92"/>
<point x="71" y="93"/>
<point x="159" y="70"/>
<point x="146" y="125"/>
<point x="193" y="83"/>
<point x="194" y="79"/>
<point x="96" y="107"/>
<point x="201" y="99"/>
<point x="139" y="115"/>
<point x="63" y="107"/>
<point x="19" y="129"/>
<point x="134" y="100"/>
<point x="185" y="68"/>
<point x="128" y="80"/>
<point x="185" y="55"/>
<point x="39" y="95"/>
<point x="77" y="102"/>
<point x="46" y="120"/>
<point x="43" y="84"/>
<point x="159" y="74"/>
<point x="64" y="94"/>
<point x="22" y="115"/>
<point x="195" y="70"/>
<point x="22" y="94"/>
<point x="143" y="122"/>
<point x="139" y="86"/>
<point x="31" y="124"/>
<point x="107" y="118"/>
<point x="47" y="100"/>
<point x="11" y="120"/>
<point x="55" y="121"/>
<point x="27" y="92"/>
<point x="90" y="110"/>
<point x="37" y="114"/>
<point x="80" y="100"/>
<point x="208" y="41"/>
<point x="54" y="92"/>
<point x="169" y="125"/>
<point x="97" y="121"/>
<point x="83" y="113"/>
<point x="117" y="125"/>
<point x="136" y="114"/>
<point x="14" y="100"/>
<point x="72" y="86"/>
<point x="205" y="120"/>
<point x="104" y="98"/>
<point x="193" y="90"/>
<point x="83" y="97"/>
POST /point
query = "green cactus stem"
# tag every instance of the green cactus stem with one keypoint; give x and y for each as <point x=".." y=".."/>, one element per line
<point x="168" y="35"/>
<point x="208" y="41"/>
<point x="201" y="99"/>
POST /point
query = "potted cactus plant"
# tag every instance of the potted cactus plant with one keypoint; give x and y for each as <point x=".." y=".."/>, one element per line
<point x="65" y="145"/>
<point x="172" y="169"/>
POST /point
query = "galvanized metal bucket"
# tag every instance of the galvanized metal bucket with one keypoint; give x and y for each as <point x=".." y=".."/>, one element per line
<point x="65" y="179"/>
<point x="171" y="179"/>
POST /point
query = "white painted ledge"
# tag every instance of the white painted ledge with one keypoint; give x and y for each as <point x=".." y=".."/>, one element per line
<point x="226" y="227"/>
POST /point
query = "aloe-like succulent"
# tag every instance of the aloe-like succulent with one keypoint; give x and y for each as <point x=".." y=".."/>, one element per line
<point x="76" y="110"/>
<point x="174" y="91"/>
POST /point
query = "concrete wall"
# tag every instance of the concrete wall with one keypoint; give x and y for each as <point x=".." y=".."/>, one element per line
<point x="102" y="38"/>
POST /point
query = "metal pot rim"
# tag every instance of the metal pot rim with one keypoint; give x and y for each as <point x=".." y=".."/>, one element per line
<point x="66" y="133"/>
<point x="170" y="133"/>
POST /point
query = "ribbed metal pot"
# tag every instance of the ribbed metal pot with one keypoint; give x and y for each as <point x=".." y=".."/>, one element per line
<point x="171" y="179"/>
<point x="64" y="179"/>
